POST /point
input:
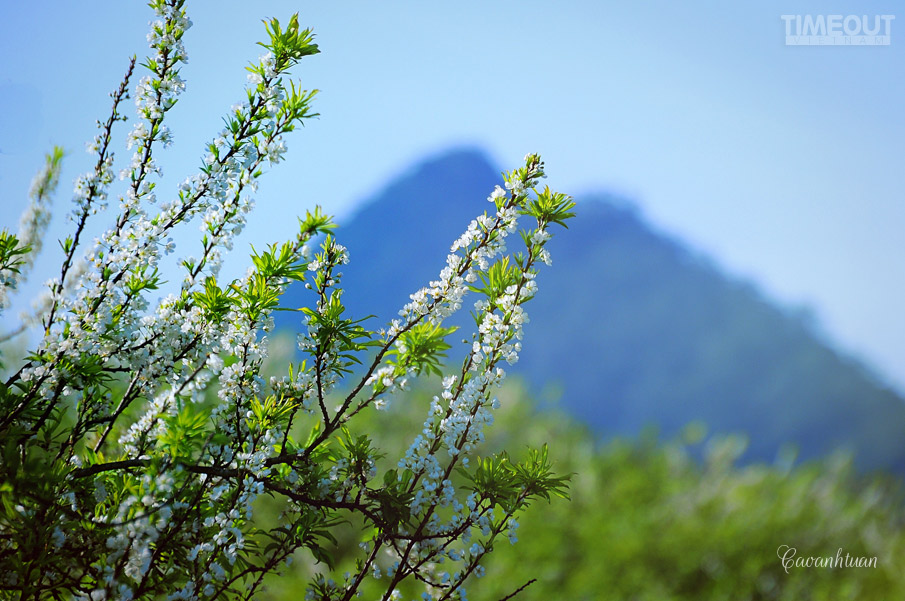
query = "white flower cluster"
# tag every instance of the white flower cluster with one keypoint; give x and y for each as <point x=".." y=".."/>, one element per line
<point x="155" y="94"/>
<point x="90" y="191"/>
<point x="238" y="382"/>
<point x="326" y="358"/>
<point x="221" y="224"/>
<point x="459" y="426"/>
<point x="174" y="351"/>
<point x="387" y="380"/>
<point x="32" y="226"/>
<point x="459" y="414"/>
<point x="130" y="248"/>
<point x="301" y="388"/>
<point x="177" y="344"/>
<point x="226" y="524"/>
<point x="237" y="335"/>
<point x="484" y="240"/>
<point x="134" y="245"/>
<point x="232" y="166"/>
<point x="137" y="524"/>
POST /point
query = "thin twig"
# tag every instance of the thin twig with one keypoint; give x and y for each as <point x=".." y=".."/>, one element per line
<point x="519" y="589"/>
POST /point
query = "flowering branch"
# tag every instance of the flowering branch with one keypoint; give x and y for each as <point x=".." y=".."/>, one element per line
<point x="139" y="436"/>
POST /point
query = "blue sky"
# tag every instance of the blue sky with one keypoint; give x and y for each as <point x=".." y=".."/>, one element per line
<point x="783" y="163"/>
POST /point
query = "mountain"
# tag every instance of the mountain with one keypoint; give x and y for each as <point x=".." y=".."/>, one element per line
<point x="629" y="325"/>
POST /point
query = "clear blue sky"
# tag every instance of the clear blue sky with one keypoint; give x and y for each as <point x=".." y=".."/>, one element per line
<point x="783" y="163"/>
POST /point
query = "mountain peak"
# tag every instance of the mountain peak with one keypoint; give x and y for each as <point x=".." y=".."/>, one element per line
<point x="454" y="163"/>
<point x="633" y="327"/>
<point x="445" y="186"/>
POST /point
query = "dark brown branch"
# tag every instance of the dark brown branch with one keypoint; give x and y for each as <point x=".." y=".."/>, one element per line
<point x="519" y="589"/>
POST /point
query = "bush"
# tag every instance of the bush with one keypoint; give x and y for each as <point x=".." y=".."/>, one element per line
<point x="678" y="520"/>
<point x="138" y="434"/>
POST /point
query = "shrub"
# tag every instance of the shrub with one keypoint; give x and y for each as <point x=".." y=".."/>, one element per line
<point x="138" y="434"/>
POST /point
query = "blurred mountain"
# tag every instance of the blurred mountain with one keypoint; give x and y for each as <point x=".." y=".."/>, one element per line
<point x="630" y="326"/>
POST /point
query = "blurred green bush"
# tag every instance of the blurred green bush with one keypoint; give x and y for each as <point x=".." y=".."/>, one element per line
<point x="667" y="520"/>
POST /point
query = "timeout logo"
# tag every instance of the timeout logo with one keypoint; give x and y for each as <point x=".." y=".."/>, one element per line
<point x="837" y="30"/>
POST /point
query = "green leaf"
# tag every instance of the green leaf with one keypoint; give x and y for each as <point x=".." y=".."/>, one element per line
<point x="422" y="348"/>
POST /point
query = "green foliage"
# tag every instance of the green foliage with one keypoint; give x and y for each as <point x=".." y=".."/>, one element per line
<point x="11" y="253"/>
<point x="550" y="207"/>
<point x="675" y="520"/>
<point x="185" y="430"/>
<point x="422" y="349"/>
<point x="215" y="301"/>
<point x="347" y="336"/>
<point x="291" y="45"/>
<point x="52" y="163"/>
<point x="497" y="280"/>
<point x="647" y="522"/>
